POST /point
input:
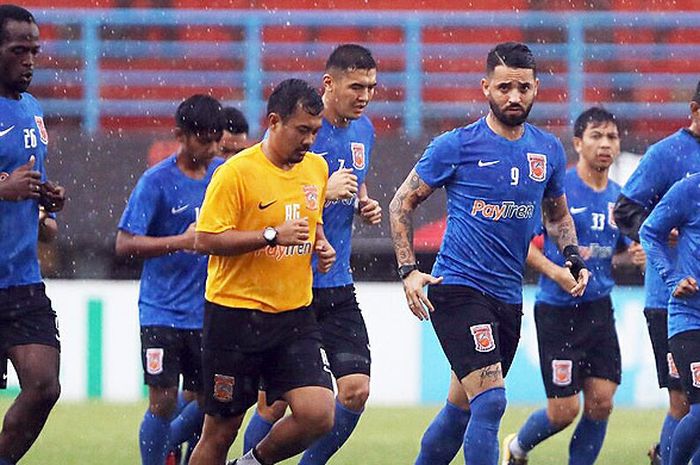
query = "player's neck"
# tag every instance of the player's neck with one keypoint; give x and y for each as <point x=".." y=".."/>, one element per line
<point x="503" y="130"/>
<point x="275" y="158"/>
<point x="190" y="167"/>
<point x="331" y="115"/>
<point x="10" y="93"/>
<point x="593" y="178"/>
<point x="695" y="128"/>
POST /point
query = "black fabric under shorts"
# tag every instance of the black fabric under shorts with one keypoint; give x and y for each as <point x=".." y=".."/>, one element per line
<point x="666" y="372"/>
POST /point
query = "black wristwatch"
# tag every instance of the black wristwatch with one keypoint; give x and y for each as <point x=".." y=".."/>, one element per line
<point x="405" y="270"/>
<point x="270" y="236"/>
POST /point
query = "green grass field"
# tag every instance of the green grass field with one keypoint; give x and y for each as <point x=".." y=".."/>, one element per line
<point x="106" y="434"/>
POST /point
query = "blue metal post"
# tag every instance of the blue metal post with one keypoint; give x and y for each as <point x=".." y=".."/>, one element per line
<point x="253" y="73"/>
<point x="576" y="57"/>
<point x="413" y="102"/>
<point x="91" y="75"/>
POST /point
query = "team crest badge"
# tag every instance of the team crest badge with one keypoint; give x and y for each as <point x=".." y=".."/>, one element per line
<point x="223" y="387"/>
<point x="538" y="166"/>
<point x="695" y="374"/>
<point x="311" y="195"/>
<point x="562" y="372"/>
<point x="483" y="338"/>
<point x="154" y="361"/>
<point x="358" y="155"/>
<point x="43" y="134"/>
<point x="672" y="368"/>
<point x="611" y="217"/>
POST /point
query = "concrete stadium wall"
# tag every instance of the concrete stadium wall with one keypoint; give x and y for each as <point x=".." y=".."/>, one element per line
<point x="100" y="338"/>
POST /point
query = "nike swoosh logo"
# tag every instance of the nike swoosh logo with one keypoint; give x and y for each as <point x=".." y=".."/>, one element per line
<point x="177" y="210"/>
<point x="322" y="154"/>
<point x="2" y="133"/>
<point x="576" y="211"/>
<point x="487" y="163"/>
<point x="262" y="206"/>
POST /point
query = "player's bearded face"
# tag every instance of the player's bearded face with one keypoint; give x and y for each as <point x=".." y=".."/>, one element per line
<point x="17" y="54"/>
<point x="510" y="114"/>
<point x="511" y="93"/>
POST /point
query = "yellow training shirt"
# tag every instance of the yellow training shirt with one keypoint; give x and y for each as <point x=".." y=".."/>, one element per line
<point x="249" y="193"/>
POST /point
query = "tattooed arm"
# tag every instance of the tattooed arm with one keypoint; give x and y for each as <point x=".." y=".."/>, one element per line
<point x="560" y="227"/>
<point x="409" y="195"/>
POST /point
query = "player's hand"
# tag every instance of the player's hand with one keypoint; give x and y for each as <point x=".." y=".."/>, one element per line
<point x="24" y="183"/>
<point x="673" y="238"/>
<point x="370" y="211"/>
<point x="326" y="255"/>
<point x="637" y="255"/>
<point x="687" y="287"/>
<point x="52" y="196"/>
<point x="413" y="286"/>
<point x="565" y="280"/>
<point x="577" y="268"/>
<point x="188" y="238"/>
<point x="341" y="185"/>
<point x="293" y="232"/>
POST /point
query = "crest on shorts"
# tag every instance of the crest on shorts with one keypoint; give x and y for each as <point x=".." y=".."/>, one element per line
<point x="154" y="361"/>
<point x="672" y="368"/>
<point x="311" y="195"/>
<point x="562" y="372"/>
<point x="358" y="155"/>
<point x="43" y="134"/>
<point x="483" y="337"/>
<point x="695" y="374"/>
<point x="611" y="216"/>
<point x="223" y="387"/>
<point x="538" y="166"/>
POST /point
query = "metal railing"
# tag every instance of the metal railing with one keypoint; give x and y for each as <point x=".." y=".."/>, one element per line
<point x="579" y="45"/>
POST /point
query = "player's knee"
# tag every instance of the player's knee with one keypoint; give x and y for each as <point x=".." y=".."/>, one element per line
<point x="354" y="397"/>
<point x="600" y="409"/>
<point x="562" y="415"/>
<point x="490" y="405"/>
<point x="678" y="403"/>
<point x="43" y="393"/>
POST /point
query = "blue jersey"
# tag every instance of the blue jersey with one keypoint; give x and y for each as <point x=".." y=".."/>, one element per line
<point x="342" y="147"/>
<point x="598" y="239"/>
<point x="679" y="208"/>
<point x="164" y="203"/>
<point x="664" y="163"/>
<point x="494" y="193"/>
<point x="22" y="134"/>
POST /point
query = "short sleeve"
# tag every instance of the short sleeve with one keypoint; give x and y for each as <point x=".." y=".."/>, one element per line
<point x="141" y="208"/>
<point x="648" y="182"/>
<point x="437" y="164"/>
<point x="555" y="185"/>
<point x="221" y="208"/>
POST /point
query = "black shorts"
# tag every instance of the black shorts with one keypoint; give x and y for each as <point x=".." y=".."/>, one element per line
<point x="666" y="373"/>
<point x="244" y="348"/>
<point x="475" y="330"/>
<point x="576" y="343"/>
<point x="167" y="352"/>
<point x="26" y="317"/>
<point x="343" y="330"/>
<point x="685" y="347"/>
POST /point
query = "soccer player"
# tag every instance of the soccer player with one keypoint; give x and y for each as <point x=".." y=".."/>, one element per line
<point x="260" y="222"/>
<point x="345" y="141"/>
<point x="680" y="270"/>
<point x="158" y="225"/>
<point x="28" y="327"/>
<point x="664" y="163"/>
<point x="235" y="137"/>
<point x="499" y="173"/>
<point x="578" y="345"/>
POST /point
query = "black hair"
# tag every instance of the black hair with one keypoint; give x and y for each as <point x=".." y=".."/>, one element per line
<point x="199" y="115"/>
<point x="512" y="55"/>
<point x="351" y="56"/>
<point x="696" y="96"/>
<point x="595" y="115"/>
<point x="235" y="121"/>
<point x="293" y="92"/>
<point x="13" y="13"/>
